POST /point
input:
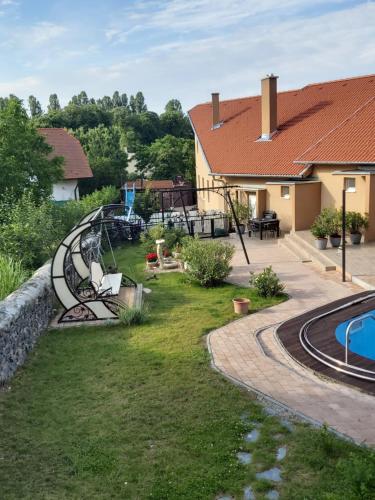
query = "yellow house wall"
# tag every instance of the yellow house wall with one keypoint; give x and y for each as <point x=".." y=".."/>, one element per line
<point x="206" y="200"/>
<point x="307" y="205"/>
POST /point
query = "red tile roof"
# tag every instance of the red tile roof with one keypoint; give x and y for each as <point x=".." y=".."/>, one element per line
<point x="76" y="165"/>
<point x="305" y="116"/>
<point x="152" y="184"/>
<point x="352" y="141"/>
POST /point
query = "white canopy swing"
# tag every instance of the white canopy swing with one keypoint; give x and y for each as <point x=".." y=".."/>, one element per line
<point x="80" y="282"/>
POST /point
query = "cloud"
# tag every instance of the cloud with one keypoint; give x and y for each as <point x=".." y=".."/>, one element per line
<point x="20" y="86"/>
<point x="44" y="32"/>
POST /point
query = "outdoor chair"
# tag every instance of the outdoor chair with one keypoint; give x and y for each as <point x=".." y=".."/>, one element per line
<point x="104" y="284"/>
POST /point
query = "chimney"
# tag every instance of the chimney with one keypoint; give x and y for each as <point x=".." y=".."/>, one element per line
<point x="269" y="106"/>
<point x="215" y="111"/>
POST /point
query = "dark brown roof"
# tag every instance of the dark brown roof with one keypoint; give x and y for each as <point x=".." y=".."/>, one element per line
<point x="334" y="111"/>
<point x="152" y="184"/>
<point x="76" y="165"/>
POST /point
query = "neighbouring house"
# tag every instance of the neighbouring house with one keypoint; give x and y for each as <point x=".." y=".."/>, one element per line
<point x="293" y="152"/>
<point x="76" y="165"/>
<point x="172" y="193"/>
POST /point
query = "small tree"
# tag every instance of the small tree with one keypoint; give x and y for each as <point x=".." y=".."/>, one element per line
<point x="145" y="204"/>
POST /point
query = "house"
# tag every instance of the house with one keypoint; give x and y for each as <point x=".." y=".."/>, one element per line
<point x="76" y="165"/>
<point x="293" y="152"/>
<point x="171" y="193"/>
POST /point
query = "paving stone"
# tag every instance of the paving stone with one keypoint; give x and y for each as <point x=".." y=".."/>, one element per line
<point x="252" y="436"/>
<point x="272" y="495"/>
<point x="281" y="453"/>
<point x="248" y="493"/>
<point x="270" y="474"/>
<point x="287" y="424"/>
<point x="244" y="458"/>
<point x="224" y="497"/>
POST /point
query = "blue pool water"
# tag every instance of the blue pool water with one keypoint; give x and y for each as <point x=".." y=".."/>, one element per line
<point x="362" y="337"/>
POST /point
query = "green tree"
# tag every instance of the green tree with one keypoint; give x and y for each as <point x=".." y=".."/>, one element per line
<point x="172" y="106"/>
<point x="107" y="103"/>
<point x="116" y="99"/>
<point x="82" y="98"/>
<point x="124" y="100"/>
<point x="24" y="155"/>
<point x="107" y="158"/>
<point x="175" y="123"/>
<point x="139" y="103"/>
<point x="34" y="107"/>
<point x="168" y="157"/>
<point x="54" y="104"/>
<point x="132" y="106"/>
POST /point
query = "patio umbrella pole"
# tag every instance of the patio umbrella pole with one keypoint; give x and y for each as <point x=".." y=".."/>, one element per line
<point x="343" y="245"/>
<point x="237" y="227"/>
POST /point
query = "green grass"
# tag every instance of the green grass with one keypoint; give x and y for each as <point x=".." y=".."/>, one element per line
<point x="137" y="412"/>
<point x="12" y="275"/>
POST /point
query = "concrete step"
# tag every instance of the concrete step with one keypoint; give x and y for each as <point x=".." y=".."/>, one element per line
<point x="315" y="255"/>
<point x="295" y="249"/>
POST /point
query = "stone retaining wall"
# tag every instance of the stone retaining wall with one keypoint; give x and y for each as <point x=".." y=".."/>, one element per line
<point x="24" y="315"/>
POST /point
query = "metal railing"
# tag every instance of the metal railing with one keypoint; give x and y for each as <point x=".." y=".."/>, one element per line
<point x="349" y="327"/>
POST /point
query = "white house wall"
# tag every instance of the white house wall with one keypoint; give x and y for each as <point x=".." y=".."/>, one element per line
<point x="65" y="190"/>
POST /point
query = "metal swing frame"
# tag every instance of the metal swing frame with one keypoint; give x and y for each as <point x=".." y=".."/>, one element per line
<point x="70" y="269"/>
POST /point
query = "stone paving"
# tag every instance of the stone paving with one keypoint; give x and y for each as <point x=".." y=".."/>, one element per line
<point x="237" y="352"/>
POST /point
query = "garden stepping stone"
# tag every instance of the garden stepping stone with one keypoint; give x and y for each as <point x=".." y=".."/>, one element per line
<point x="248" y="493"/>
<point x="272" y="495"/>
<point x="244" y="458"/>
<point x="224" y="497"/>
<point x="253" y="436"/>
<point x="271" y="474"/>
<point x="281" y="453"/>
<point x="287" y="424"/>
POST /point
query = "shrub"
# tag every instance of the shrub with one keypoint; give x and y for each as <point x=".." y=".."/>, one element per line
<point x="267" y="283"/>
<point x="12" y="275"/>
<point x="331" y="219"/>
<point x="319" y="229"/>
<point x="242" y="211"/>
<point x="355" y="221"/>
<point x="208" y="261"/>
<point x="129" y="316"/>
<point x="173" y="237"/>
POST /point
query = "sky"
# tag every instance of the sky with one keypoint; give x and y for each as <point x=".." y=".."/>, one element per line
<point x="183" y="49"/>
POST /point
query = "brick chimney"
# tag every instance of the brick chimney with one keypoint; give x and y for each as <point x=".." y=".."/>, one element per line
<point x="215" y="111"/>
<point x="269" y="106"/>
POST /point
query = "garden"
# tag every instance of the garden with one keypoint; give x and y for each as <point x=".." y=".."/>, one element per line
<point x="136" y="411"/>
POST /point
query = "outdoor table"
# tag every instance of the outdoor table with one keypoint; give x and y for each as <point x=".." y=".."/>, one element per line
<point x="263" y="224"/>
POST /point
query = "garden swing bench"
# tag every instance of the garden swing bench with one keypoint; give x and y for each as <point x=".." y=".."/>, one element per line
<point x="80" y="282"/>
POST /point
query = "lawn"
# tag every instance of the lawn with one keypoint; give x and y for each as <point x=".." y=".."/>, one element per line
<point x="136" y="413"/>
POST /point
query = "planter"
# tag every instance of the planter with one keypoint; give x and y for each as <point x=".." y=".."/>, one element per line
<point x="152" y="265"/>
<point x="241" y="306"/>
<point x="241" y="228"/>
<point x="355" y="238"/>
<point x="335" y="240"/>
<point x="177" y="255"/>
<point x="321" y="243"/>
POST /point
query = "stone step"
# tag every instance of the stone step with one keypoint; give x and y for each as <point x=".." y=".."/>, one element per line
<point x="315" y="255"/>
<point x="295" y="249"/>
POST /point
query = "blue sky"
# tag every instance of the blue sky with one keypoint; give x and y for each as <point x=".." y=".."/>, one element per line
<point x="182" y="49"/>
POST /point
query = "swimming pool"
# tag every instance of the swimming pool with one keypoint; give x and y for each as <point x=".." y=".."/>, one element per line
<point x="362" y="336"/>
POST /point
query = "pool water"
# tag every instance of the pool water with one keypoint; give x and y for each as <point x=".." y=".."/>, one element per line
<point x="361" y="338"/>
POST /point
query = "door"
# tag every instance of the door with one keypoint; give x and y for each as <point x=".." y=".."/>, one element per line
<point x="253" y="205"/>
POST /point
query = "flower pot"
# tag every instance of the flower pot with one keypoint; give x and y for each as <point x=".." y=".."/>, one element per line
<point x="321" y="243"/>
<point x="335" y="240"/>
<point x="241" y="306"/>
<point x="355" y="238"/>
<point x="152" y="265"/>
<point x="241" y="228"/>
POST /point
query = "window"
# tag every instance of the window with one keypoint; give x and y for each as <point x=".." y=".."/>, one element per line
<point x="285" y="192"/>
<point x="349" y="183"/>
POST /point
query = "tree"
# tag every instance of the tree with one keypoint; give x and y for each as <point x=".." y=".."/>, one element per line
<point x="173" y="105"/>
<point x="139" y="103"/>
<point x="54" y="104"/>
<point x="168" y="157"/>
<point x="124" y="100"/>
<point x="107" y="158"/>
<point x="82" y="98"/>
<point x="132" y="106"/>
<point x="34" y="107"/>
<point x="116" y="99"/>
<point x="24" y="155"/>
<point x="107" y="103"/>
<point x="175" y="123"/>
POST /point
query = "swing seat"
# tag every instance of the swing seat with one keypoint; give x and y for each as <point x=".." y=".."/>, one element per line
<point x="104" y="284"/>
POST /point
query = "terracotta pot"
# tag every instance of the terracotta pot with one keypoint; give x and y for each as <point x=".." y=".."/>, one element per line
<point x="241" y="306"/>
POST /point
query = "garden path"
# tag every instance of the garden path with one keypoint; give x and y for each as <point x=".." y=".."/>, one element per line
<point x="260" y="366"/>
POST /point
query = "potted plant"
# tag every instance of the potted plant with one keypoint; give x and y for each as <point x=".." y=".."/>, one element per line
<point x="319" y="230"/>
<point x="241" y="305"/>
<point x="177" y="251"/>
<point x="355" y="223"/>
<point x="332" y="218"/>
<point x="152" y="260"/>
<point x="242" y="213"/>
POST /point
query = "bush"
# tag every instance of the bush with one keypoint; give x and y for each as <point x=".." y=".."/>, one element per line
<point x="331" y="219"/>
<point x="173" y="237"/>
<point x="355" y="221"/>
<point x="267" y="283"/>
<point x="320" y="228"/>
<point x="12" y="275"/>
<point x="129" y="316"/>
<point x="208" y="261"/>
